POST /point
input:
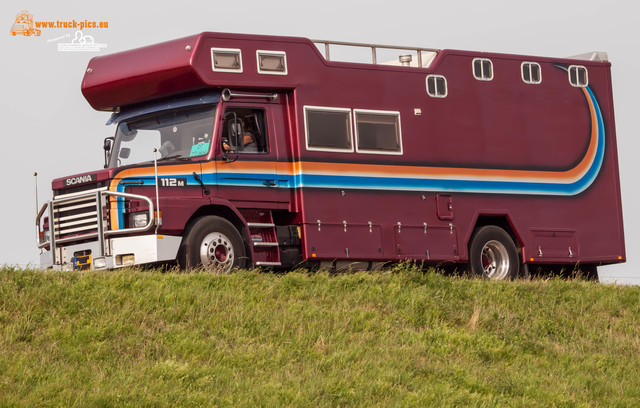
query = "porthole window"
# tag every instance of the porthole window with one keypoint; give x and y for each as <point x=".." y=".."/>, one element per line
<point x="436" y="86"/>
<point x="483" y="69"/>
<point x="226" y="60"/>
<point x="578" y="76"/>
<point x="531" y="73"/>
<point x="272" y="62"/>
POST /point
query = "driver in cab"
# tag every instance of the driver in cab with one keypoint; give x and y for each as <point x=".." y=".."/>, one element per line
<point x="248" y="138"/>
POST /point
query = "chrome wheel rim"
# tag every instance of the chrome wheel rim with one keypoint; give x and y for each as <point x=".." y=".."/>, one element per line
<point x="217" y="252"/>
<point x="494" y="259"/>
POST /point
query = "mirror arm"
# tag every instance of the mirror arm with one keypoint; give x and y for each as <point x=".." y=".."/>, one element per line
<point x="107" y="145"/>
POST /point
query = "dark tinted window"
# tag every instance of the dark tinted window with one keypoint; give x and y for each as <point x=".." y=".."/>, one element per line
<point x="226" y="60"/>
<point x="272" y="62"/>
<point x="328" y="128"/>
<point x="483" y="69"/>
<point x="531" y="73"/>
<point x="578" y="75"/>
<point x="378" y="131"/>
<point x="436" y="86"/>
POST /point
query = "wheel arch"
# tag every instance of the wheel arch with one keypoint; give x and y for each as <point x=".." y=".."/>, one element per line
<point x="229" y="213"/>
<point x="498" y="219"/>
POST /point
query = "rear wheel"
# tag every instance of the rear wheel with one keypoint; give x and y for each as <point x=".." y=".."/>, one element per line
<point x="589" y="271"/>
<point x="212" y="243"/>
<point x="493" y="254"/>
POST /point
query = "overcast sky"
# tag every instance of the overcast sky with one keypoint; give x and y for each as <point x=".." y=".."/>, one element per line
<point x="51" y="129"/>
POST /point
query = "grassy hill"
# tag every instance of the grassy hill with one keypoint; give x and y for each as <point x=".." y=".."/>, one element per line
<point x="397" y="338"/>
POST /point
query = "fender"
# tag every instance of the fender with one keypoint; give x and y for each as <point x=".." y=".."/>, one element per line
<point x="227" y="210"/>
<point x="493" y="214"/>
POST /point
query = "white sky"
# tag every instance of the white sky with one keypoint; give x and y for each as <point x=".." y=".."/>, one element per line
<point x="51" y="129"/>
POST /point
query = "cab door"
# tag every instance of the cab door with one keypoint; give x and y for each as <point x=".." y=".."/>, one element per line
<point x="248" y="177"/>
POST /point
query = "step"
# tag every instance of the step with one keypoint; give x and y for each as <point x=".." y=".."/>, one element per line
<point x="260" y="225"/>
<point x="265" y="244"/>
<point x="268" y="264"/>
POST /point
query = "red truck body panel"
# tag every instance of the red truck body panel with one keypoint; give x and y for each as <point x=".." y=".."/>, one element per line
<point x="542" y="158"/>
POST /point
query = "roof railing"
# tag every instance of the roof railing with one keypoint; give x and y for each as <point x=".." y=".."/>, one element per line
<point x="423" y="61"/>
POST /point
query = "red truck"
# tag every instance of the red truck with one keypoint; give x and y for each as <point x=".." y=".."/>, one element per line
<point x="238" y="150"/>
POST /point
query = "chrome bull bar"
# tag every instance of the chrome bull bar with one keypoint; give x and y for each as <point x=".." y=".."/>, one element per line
<point x="55" y="206"/>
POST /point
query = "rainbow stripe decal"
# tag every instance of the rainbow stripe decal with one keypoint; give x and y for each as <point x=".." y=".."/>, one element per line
<point x="412" y="178"/>
<point x="389" y="177"/>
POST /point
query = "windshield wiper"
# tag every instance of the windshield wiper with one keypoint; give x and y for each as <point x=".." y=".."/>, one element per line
<point x="175" y="156"/>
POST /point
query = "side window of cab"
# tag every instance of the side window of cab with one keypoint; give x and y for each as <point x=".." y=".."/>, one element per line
<point x="251" y="127"/>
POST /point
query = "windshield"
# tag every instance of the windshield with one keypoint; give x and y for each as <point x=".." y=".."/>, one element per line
<point x="178" y="135"/>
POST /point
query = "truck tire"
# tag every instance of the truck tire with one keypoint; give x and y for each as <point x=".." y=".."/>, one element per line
<point x="493" y="254"/>
<point x="589" y="272"/>
<point x="212" y="243"/>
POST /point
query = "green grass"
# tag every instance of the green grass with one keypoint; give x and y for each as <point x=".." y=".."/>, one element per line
<point x="395" y="338"/>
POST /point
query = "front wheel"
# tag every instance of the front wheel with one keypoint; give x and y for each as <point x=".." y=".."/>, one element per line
<point x="493" y="254"/>
<point x="212" y="243"/>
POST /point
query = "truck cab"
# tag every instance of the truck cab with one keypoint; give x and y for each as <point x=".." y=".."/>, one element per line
<point x="168" y="165"/>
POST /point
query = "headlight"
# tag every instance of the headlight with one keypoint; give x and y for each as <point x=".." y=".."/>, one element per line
<point x="139" y="220"/>
<point x="99" y="263"/>
<point x="125" y="260"/>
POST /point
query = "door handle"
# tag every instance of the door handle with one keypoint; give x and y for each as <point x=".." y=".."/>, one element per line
<point x="270" y="183"/>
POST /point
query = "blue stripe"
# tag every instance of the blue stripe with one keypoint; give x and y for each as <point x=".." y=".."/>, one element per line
<point x="149" y="181"/>
<point x="428" y="184"/>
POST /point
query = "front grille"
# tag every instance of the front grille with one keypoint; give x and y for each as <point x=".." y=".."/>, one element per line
<point x="77" y="216"/>
<point x="77" y="189"/>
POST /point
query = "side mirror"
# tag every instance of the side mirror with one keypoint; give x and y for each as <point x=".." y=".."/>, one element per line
<point x="124" y="153"/>
<point x="235" y="133"/>
<point x="107" y="145"/>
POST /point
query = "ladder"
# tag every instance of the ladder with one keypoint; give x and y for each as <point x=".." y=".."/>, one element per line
<point x="262" y="237"/>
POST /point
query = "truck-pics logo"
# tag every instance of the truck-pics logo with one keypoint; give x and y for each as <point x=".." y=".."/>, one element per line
<point x="24" y="25"/>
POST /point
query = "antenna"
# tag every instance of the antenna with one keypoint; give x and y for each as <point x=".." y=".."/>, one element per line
<point x="155" y="171"/>
<point x="35" y="181"/>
